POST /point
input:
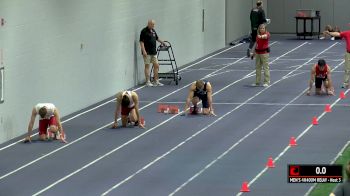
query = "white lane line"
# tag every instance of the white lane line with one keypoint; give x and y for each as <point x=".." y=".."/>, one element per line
<point x="73" y="117"/>
<point x="105" y="126"/>
<point x="271" y="70"/>
<point x="196" y="63"/>
<point x="246" y="136"/>
<point x="116" y="149"/>
<point x="294" y="75"/>
<point x="230" y="149"/>
<point x="194" y="135"/>
<point x="284" y="59"/>
<point x="181" y="70"/>
<point x="332" y="162"/>
<point x="254" y="103"/>
<point x="287" y="148"/>
<point x="105" y="155"/>
<point x="293" y="66"/>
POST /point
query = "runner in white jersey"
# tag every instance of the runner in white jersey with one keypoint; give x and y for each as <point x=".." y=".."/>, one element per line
<point x="128" y="106"/>
<point x="49" y="121"/>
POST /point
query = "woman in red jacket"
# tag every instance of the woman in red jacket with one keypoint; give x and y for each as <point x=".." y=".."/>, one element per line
<point x="261" y="54"/>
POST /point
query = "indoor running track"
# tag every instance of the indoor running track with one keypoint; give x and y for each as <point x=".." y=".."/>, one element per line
<point x="195" y="155"/>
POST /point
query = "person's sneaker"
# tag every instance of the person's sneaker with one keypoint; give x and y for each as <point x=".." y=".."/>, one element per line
<point x="194" y="110"/>
<point x="148" y="83"/>
<point x="345" y="86"/>
<point x="248" y="53"/>
<point x="157" y="83"/>
<point x="266" y="85"/>
<point x="255" y="84"/>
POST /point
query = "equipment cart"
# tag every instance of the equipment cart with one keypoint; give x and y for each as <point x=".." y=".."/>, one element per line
<point x="165" y="56"/>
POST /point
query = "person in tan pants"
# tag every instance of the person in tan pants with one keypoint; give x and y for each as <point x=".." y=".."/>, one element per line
<point x="261" y="55"/>
<point x="346" y="36"/>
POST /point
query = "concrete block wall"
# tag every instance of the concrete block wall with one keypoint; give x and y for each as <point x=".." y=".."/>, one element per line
<point x="74" y="53"/>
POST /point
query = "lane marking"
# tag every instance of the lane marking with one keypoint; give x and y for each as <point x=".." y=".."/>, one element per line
<point x="254" y="103"/>
<point x="284" y="59"/>
<point x="77" y="115"/>
<point x="105" y="126"/>
<point x="194" y="135"/>
<point x="271" y="70"/>
<point x="116" y="149"/>
<point x="247" y="135"/>
<point x="297" y="138"/>
<point x="130" y="141"/>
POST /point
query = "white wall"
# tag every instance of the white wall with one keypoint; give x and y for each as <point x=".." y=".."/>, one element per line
<point x="74" y="53"/>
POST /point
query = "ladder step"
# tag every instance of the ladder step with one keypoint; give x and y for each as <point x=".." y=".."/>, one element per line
<point x="165" y="64"/>
<point x="166" y="59"/>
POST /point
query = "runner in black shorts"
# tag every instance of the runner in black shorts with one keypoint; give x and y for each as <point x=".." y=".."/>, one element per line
<point x="321" y="75"/>
<point x="200" y="91"/>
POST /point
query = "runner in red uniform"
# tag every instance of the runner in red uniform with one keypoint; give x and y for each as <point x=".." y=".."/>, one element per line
<point x="321" y="74"/>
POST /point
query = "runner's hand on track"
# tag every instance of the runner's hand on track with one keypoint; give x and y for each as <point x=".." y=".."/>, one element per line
<point x="308" y="93"/>
<point x="27" y="139"/>
<point x="141" y="125"/>
<point x="115" y="125"/>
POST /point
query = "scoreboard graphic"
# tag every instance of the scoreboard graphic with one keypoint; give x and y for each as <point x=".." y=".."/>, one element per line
<point x="315" y="173"/>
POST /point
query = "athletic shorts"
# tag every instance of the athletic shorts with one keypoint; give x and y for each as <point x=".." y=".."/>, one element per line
<point x="204" y="99"/>
<point x="126" y="111"/>
<point x="45" y="123"/>
<point x="318" y="81"/>
<point x="150" y="59"/>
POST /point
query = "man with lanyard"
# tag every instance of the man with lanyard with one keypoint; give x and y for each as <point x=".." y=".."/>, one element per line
<point x="257" y="17"/>
<point x="200" y="91"/>
<point x="49" y="122"/>
<point x="345" y="35"/>
<point x="128" y="106"/>
<point x="321" y="74"/>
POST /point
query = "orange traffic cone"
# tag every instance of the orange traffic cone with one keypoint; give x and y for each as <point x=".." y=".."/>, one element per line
<point x="314" y="120"/>
<point x="270" y="163"/>
<point x="245" y="187"/>
<point x="292" y="142"/>
<point x="342" y="95"/>
<point x="328" y="108"/>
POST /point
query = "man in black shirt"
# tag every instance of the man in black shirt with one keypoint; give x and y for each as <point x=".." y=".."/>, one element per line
<point x="148" y="38"/>
<point x="257" y="17"/>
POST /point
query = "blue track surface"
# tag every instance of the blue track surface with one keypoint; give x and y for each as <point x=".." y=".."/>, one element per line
<point x="195" y="155"/>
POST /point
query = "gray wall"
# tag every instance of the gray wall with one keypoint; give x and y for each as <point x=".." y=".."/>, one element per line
<point x="282" y="12"/>
<point x="237" y="18"/>
<point x="74" y="53"/>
